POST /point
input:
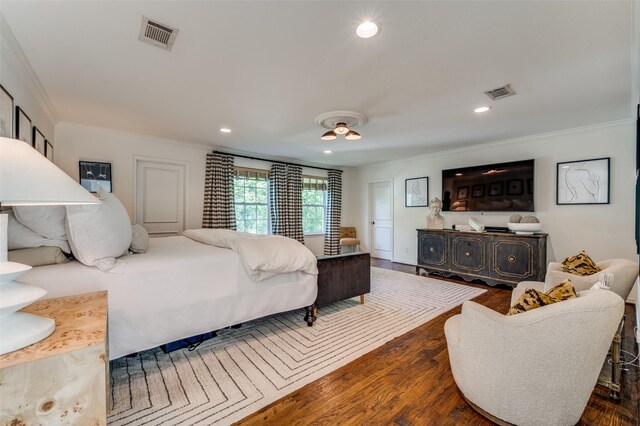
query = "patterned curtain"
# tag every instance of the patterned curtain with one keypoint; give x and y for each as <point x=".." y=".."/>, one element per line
<point x="294" y="194"/>
<point x="334" y="210"/>
<point x="278" y="198"/>
<point x="218" y="192"/>
<point x="285" y="197"/>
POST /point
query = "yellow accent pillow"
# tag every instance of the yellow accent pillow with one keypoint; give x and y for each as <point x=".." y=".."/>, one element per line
<point x="532" y="298"/>
<point x="580" y="264"/>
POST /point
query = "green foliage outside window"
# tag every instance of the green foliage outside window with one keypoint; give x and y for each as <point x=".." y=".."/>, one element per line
<point x="313" y="206"/>
<point x="251" y="205"/>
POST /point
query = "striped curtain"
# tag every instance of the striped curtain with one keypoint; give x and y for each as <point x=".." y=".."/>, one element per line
<point x="294" y="194"/>
<point x="334" y="210"/>
<point x="285" y="197"/>
<point x="278" y="198"/>
<point x="218" y="192"/>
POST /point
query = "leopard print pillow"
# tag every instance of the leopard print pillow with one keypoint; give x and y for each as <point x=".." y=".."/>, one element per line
<point x="532" y="299"/>
<point x="580" y="264"/>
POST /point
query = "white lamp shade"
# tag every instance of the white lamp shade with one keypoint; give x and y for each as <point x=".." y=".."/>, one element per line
<point x="28" y="178"/>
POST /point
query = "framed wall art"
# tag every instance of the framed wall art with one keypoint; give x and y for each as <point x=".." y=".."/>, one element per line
<point x="6" y="113"/>
<point x="23" y="127"/>
<point x="95" y="175"/>
<point x="583" y="182"/>
<point x="515" y="187"/>
<point x="416" y="192"/>
<point x="477" y="191"/>
<point x="495" y="189"/>
<point x="48" y="150"/>
<point x="463" y="193"/>
<point x="38" y="140"/>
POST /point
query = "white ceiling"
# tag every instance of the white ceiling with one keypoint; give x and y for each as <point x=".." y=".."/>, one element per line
<point x="267" y="69"/>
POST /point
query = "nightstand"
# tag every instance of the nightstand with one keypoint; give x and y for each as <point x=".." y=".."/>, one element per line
<point x="61" y="379"/>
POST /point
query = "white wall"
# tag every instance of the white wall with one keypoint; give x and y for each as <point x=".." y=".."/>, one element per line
<point x="19" y="79"/>
<point x="605" y="231"/>
<point x="76" y="142"/>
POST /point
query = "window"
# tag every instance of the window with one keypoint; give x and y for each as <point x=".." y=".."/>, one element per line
<point x="251" y="197"/>
<point x="314" y="201"/>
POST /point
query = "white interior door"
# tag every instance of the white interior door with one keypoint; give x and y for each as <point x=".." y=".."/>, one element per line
<point x="381" y="219"/>
<point x="160" y="194"/>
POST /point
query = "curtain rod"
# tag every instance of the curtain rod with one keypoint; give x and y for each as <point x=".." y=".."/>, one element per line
<point x="274" y="161"/>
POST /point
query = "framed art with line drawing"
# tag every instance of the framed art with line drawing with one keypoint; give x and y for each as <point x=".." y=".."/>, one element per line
<point x="95" y="175"/>
<point x="583" y="182"/>
<point x="6" y="113"/>
<point x="416" y="192"/>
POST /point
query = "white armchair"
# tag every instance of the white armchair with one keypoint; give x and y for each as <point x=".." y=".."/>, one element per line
<point x="535" y="368"/>
<point x="625" y="273"/>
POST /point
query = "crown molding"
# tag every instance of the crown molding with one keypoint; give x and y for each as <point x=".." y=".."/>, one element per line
<point x="517" y="140"/>
<point x="12" y="49"/>
<point x="149" y="138"/>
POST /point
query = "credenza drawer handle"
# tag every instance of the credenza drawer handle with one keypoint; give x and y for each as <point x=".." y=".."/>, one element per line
<point x="432" y="249"/>
<point x="467" y="254"/>
<point x="511" y="259"/>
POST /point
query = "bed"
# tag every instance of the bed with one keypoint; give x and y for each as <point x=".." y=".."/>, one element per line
<point x="179" y="288"/>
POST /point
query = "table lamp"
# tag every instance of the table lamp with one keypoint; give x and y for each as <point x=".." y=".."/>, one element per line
<point x="27" y="179"/>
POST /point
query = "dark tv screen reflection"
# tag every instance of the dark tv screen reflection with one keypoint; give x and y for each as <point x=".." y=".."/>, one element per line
<point x="503" y="187"/>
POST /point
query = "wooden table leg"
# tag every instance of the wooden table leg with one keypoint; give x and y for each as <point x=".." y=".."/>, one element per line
<point x="362" y="299"/>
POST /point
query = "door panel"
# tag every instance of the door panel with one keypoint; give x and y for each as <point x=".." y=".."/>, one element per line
<point x="468" y="254"/>
<point x="381" y="214"/>
<point x="160" y="192"/>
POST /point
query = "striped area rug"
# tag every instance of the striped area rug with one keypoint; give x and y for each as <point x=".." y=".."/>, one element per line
<point x="243" y="370"/>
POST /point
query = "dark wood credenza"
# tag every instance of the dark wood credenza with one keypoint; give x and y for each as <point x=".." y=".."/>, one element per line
<point x="493" y="257"/>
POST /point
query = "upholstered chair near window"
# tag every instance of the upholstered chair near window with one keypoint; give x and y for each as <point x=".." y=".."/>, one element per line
<point x="348" y="239"/>
<point x="535" y="368"/>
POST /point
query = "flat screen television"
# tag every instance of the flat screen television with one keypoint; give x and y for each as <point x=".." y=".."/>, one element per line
<point x="502" y="187"/>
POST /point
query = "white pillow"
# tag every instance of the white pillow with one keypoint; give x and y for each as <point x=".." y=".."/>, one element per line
<point x="98" y="233"/>
<point x="20" y="237"/>
<point x="139" y="239"/>
<point x="47" y="221"/>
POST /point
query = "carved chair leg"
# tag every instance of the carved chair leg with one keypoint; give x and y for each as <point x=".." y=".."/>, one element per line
<point x="311" y="316"/>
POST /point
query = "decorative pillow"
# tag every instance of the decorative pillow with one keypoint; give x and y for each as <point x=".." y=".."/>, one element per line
<point x="98" y="233"/>
<point x="38" y="256"/>
<point x="562" y="291"/>
<point x="47" y="221"/>
<point x="580" y="264"/>
<point x="532" y="298"/>
<point x="139" y="239"/>
<point x="21" y="237"/>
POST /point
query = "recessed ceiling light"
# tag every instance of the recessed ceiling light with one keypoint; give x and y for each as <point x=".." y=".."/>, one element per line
<point x="458" y="174"/>
<point x="482" y="109"/>
<point x="225" y="130"/>
<point x="327" y="151"/>
<point x="367" y="29"/>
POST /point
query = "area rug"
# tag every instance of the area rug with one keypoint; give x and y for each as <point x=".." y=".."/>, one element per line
<point x="243" y="370"/>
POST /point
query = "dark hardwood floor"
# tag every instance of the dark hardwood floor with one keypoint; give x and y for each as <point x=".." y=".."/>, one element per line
<point x="408" y="381"/>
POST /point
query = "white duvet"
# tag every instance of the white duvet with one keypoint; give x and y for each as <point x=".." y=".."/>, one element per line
<point x="262" y="256"/>
<point x="179" y="288"/>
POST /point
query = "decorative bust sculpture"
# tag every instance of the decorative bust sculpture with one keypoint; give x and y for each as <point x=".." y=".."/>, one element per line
<point x="434" y="220"/>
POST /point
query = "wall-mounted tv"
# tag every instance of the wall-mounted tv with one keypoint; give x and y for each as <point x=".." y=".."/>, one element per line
<point x="503" y="187"/>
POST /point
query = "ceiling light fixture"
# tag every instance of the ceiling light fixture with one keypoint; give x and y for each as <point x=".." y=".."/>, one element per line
<point x="482" y="109"/>
<point x="367" y="29"/>
<point x="328" y="151"/>
<point x="341" y="123"/>
<point x="225" y="130"/>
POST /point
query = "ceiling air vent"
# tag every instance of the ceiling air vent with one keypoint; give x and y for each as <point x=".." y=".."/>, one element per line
<point x="501" y="92"/>
<point x="156" y="34"/>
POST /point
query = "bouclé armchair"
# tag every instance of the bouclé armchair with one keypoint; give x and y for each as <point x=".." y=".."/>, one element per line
<point x="534" y="368"/>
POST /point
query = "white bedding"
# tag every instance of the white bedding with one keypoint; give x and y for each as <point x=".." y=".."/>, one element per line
<point x="179" y="288"/>
<point x="263" y="256"/>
